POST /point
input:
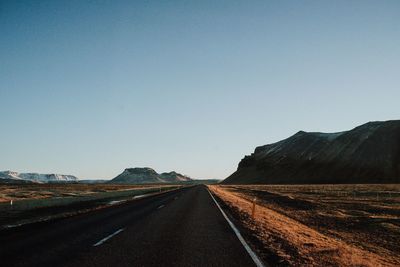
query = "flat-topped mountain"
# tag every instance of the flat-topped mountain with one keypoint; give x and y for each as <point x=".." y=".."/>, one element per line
<point x="148" y="175"/>
<point x="369" y="153"/>
<point x="36" y="177"/>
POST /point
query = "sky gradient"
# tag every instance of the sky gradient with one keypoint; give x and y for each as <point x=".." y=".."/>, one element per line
<point x="89" y="88"/>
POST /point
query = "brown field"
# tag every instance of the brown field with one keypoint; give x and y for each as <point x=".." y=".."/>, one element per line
<point x="316" y="225"/>
<point x="17" y="192"/>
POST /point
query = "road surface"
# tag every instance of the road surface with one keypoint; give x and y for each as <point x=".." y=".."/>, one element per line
<point x="178" y="228"/>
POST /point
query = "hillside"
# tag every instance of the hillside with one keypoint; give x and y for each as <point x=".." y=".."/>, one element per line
<point x="174" y="177"/>
<point x="9" y="176"/>
<point x="369" y="153"/>
<point x="148" y="175"/>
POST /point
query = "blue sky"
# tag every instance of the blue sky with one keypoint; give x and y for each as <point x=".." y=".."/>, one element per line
<point x="91" y="87"/>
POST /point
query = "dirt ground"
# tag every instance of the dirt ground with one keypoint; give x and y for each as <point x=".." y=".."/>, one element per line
<point x="315" y="225"/>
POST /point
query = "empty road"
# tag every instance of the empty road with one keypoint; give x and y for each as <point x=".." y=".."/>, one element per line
<point x="178" y="228"/>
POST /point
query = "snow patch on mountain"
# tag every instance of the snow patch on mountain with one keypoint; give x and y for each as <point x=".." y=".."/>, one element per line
<point x="37" y="177"/>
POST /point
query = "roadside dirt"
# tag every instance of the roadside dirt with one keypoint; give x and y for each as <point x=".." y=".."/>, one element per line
<point x="285" y="230"/>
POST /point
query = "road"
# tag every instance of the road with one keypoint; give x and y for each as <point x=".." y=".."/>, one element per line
<point x="178" y="228"/>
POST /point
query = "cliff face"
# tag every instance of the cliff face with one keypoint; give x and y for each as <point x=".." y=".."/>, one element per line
<point x="148" y="175"/>
<point x="369" y="153"/>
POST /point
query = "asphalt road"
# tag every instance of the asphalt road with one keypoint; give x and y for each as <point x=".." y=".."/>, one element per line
<point x="178" y="228"/>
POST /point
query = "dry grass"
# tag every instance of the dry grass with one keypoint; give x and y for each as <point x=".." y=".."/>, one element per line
<point x="315" y="225"/>
<point x="41" y="191"/>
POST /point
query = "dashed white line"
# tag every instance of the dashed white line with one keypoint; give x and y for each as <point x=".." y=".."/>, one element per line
<point x="114" y="202"/>
<point x="108" y="237"/>
<point x="253" y="255"/>
<point x="162" y="206"/>
<point x="140" y="196"/>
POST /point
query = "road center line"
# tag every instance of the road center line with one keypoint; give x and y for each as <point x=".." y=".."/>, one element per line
<point x="253" y="255"/>
<point x="108" y="237"/>
<point x="162" y="206"/>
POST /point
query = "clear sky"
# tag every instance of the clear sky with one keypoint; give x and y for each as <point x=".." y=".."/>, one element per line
<point x="92" y="87"/>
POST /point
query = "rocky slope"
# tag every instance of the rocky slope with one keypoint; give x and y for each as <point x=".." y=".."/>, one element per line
<point x="148" y="175"/>
<point x="36" y="177"/>
<point x="369" y="153"/>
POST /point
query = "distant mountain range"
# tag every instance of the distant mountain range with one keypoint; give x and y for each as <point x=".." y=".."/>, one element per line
<point x="11" y="176"/>
<point x="128" y="176"/>
<point x="369" y="153"/>
<point x="148" y="175"/>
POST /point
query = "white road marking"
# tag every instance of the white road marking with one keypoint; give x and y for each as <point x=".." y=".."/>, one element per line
<point x="162" y="206"/>
<point x="116" y="202"/>
<point x="253" y="255"/>
<point x="14" y="225"/>
<point x="108" y="237"/>
<point x="140" y="196"/>
<point x="25" y="223"/>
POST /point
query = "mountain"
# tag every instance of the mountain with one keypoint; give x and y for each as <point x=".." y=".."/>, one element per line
<point x="171" y="177"/>
<point x="15" y="181"/>
<point x="36" y="177"/>
<point x="138" y="176"/>
<point x="369" y="153"/>
<point x="148" y="175"/>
